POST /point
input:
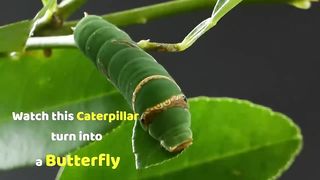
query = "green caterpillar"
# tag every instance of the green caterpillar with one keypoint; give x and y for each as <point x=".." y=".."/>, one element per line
<point x="144" y="83"/>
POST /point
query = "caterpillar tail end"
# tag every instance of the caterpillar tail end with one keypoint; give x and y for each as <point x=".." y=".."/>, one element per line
<point x="178" y="143"/>
<point x="172" y="128"/>
<point x="181" y="146"/>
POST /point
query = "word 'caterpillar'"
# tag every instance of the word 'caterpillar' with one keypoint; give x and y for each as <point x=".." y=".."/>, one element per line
<point x="144" y="83"/>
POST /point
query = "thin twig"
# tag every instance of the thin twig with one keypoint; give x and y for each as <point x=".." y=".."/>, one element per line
<point x="144" y="14"/>
<point x="50" y="42"/>
<point x="132" y="16"/>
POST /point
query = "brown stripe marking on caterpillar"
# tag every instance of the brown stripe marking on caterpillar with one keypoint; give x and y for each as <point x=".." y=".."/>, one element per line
<point x="145" y="81"/>
<point x="174" y="101"/>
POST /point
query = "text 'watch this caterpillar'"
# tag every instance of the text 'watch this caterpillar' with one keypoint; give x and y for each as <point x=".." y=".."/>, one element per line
<point x="145" y="84"/>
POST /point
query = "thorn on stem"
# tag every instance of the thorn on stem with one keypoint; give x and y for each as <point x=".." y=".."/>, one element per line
<point x="47" y="52"/>
<point x="56" y="21"/>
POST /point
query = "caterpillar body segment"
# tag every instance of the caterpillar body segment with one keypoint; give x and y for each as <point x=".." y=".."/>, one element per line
<point x="144" y="83"/>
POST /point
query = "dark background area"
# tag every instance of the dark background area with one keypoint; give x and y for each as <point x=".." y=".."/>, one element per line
<point x="268" y="54"/>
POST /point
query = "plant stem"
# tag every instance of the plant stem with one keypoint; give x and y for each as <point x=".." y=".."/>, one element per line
<point x="132" y="16"/>
<point x="50" y="42"/>
<point x="56" y="20"/>
<point x="144" y="14"/>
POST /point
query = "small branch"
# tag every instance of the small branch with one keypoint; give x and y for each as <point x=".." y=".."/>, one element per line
<point x="67" y="41"/>
<point x="141" y="15"/>
<point x="221" y="8"/>
<point x="162" y="47"/>
<point x="61" y="13"/>
<point x="67" y="7"/>
<point x="144" y="14"/>
<point x="50" y="42"/>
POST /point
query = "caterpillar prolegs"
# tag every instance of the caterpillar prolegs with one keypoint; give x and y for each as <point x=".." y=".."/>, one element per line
<point x="144" y="83"/>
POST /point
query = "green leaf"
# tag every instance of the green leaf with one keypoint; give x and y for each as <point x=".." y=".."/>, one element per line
<point x="147" y="150"/>
<point x="303" y="4"/>
<point x="67" y="81"/>
<point x="233" y="139"/>
<point x="13" y="37"/>
<point x="117" y="143"/>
